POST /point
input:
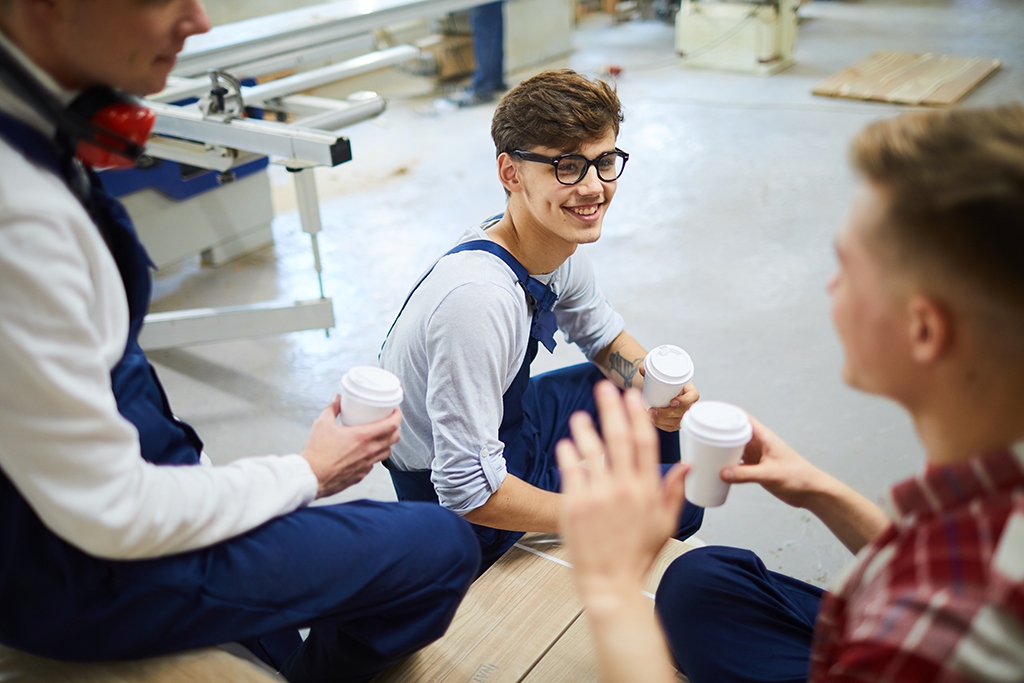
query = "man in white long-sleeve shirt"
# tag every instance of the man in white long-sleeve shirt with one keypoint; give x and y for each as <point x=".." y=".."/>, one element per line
<point x="114" y="542"/>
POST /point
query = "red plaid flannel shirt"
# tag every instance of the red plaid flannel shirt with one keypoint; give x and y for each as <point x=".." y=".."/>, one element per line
<point x="939" y="596"/>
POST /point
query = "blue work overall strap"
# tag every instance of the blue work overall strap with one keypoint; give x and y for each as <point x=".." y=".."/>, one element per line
<point x="417" y="485"/>
<point x="538" y="295"/>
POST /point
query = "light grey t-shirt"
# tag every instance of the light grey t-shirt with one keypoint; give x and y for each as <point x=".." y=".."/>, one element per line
<point x="457" y="347"/>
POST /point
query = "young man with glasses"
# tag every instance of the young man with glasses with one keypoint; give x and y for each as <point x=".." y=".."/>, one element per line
<point x="479" y="433"/>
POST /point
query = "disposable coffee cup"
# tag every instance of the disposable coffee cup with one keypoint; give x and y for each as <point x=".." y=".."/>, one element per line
<point x="666" y="369"/>
<point x="368" y="394"/>
<point x="716" y="433"/>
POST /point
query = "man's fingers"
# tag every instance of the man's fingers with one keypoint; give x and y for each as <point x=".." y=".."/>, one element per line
<point x="673" y="489"/>
<point x="646" y="437"/>
<point x="569" y="465"/>
<point x="333" y="409"/>
<point x="744" y="474"/>
<point x="586" y="438"/>
<point x="381" y="429"/>
<point x="615" y="425"/>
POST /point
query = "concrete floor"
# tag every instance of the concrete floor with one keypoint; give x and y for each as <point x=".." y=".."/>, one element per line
<point x="720" y="241"/>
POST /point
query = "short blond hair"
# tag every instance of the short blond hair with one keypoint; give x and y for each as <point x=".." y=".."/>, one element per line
<point x="954" y="181"/>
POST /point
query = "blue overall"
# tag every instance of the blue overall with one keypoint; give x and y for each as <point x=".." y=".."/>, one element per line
<point x="374" y="581"/>
<point x="535" y="415"/>
<point x="728" y="619"/>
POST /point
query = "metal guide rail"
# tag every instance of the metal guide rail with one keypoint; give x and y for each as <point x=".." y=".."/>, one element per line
<point x="201" y="121"/>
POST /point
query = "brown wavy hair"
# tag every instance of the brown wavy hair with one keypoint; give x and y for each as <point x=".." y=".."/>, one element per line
<point x="558" y="109"/>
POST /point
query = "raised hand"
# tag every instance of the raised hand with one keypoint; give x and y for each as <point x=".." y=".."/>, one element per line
<point x="617" y="511"/>
<point x="616" y="514"/>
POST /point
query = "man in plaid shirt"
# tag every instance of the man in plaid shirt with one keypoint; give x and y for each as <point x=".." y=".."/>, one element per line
<point x="928" y="301"/>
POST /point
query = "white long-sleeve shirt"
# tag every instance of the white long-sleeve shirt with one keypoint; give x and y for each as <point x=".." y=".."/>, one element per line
<point x="63" y="443"/>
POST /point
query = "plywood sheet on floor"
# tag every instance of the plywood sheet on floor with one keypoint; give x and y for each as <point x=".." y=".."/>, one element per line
<point x="521" y="622"/>
<point x="908" y="78"/>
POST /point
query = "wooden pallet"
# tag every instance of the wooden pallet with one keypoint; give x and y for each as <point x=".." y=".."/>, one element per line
<point x="907" y="78"/>
<point x="521" y="622"/>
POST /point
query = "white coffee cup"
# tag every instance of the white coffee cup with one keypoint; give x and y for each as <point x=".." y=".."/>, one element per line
<point x="716" y="433"/>
<point x="666" y="369"/>
<point x="368" y="394"/>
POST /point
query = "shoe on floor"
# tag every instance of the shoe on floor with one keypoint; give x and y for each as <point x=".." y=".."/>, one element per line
<point x="470" y="98"/>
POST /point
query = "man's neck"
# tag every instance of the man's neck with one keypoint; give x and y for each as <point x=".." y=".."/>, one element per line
<point x="953" y="433"/>
<point x="538" y="250"/>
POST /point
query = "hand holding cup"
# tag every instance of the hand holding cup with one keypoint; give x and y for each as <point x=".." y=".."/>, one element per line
<point x="668" y="390"/>
<point x="772" y="463"/>
<point x="716" y="434"/>
<point x="342" y="456"/>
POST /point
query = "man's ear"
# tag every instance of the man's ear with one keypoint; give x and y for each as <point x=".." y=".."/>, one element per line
<point x="931" y="329"/>
<point x="508" y="173"/>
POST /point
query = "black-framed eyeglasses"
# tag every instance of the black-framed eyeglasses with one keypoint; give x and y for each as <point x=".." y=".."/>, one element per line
<point x="572" y="168"/>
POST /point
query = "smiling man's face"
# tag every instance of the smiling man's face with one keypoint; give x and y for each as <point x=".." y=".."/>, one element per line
<point x="569" y="213"/>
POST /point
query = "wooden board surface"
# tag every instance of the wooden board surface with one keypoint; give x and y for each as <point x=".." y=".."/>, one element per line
<point x="520" y="623"/>
<point x="908" y="78"/>
<point x="508" y="620"/>
<point x="573" y="657"/>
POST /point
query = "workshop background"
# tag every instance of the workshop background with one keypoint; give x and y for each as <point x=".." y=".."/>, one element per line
<point x="720" y="238"/>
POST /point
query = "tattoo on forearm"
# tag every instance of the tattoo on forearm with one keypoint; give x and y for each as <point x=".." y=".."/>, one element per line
<point x="626" y="369"/>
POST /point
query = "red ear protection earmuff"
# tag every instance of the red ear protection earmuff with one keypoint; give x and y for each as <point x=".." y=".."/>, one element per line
<point x="105" y="128"/>
<point x="118" y="128"/>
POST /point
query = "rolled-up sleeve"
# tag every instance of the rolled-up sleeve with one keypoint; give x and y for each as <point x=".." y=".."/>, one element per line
<point x="469" y="373"/>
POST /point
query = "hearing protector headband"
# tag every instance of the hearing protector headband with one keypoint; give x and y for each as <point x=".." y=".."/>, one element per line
<point x="106" y="128"/>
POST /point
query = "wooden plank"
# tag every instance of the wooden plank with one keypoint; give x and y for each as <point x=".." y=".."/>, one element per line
<point x="908" y="78"/>
<point x="509" y="619"/>
<point x="955" y="88"/>
<point x="573" y="657"/>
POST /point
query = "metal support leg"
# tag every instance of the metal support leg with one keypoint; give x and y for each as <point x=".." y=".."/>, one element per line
<point x="309" y="214"/>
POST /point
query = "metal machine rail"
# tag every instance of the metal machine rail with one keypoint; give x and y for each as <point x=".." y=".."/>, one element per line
<point x="230" y="45"/>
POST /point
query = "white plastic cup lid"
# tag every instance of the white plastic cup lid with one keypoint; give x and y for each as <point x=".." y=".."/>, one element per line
<point x="670" y="364"/>
<point x="718" y="423"/>
<point x="374" y="386"/>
